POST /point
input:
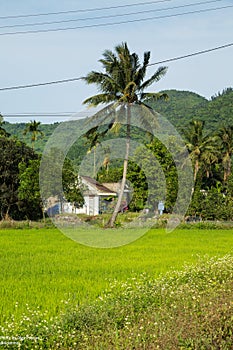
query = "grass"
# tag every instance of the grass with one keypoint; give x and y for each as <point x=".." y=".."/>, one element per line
<point x="189" y="309"/>
<point x="40" y="268"/>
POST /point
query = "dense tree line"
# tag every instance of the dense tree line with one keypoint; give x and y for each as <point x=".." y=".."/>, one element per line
<point x="211" y="156"/>
<point x="13" y="153"/>
<point x="20" y="196"/>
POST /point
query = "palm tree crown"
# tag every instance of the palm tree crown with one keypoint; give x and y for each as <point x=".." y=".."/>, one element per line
<point x="225" y="135"/>
<point x="33" y="128"/>
<point x="123" y="78"/>
<point x="202" y="147"/>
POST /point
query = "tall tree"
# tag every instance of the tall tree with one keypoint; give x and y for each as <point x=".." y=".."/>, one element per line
<point x="33" y="129"/>
<point x="225" y="135"/>
<point x="13" y="152"/>
<point x="202" y="148"/>
<point x="123" y="84"/>
<point x="29" y="189"/>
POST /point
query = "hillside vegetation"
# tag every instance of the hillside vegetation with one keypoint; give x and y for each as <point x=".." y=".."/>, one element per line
<point x="183" y="106"/>
<point x="180" y="109"/>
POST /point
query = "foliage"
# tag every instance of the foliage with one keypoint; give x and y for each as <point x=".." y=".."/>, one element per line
<point x="179" y="109"/>
<point x="29" y="190"/>
<point x="219" y="110"/>
<point x="123" y="78"/>
<point x="26" y="224"/>
<point x="225" y="134"/>
<point x="212" y="153"/>
<point x="13" y="152"/>
<point x="71" y="184"/>
<point x="3" y="132"/>
<point x="183" y="106"/>
<point x="202" y="148"/>
<point x="17" y="130"/>
<point x="161" y="176"/>
<point x="64" y="184"/>
<point x="33" y="129"/>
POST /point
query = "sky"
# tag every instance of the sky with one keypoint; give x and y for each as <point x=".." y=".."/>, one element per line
<point x="48" y="56"/>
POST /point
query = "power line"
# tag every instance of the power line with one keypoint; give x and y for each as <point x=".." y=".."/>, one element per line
<point x="33" y="115"/>
<point x="192" y="54"/>
<point x="108" y="16"/>
<point x="115" y="23"/>
<point x="40" y="84"/>
<point x="151" y="64"/>
<point x="43" y="114"/>
<point x="85" y="10"/>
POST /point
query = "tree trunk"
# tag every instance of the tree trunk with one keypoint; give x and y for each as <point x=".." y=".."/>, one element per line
<point x="227" y="168"/>
<point x="6" y="216"/>
<point x="196" y="169"/>
<point x="118" y="204"/>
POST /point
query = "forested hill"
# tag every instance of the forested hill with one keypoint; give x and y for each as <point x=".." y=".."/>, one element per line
<point x="180" y="109"/>
<point x="17" y="130"/>
<point x="183" y="106"/>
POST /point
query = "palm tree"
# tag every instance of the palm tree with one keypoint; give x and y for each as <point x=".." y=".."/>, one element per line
<point x="122" y="85"/>
<point x="225" y="135"/>
<point x="33" y="128"/>
<point x="202" y="148"/>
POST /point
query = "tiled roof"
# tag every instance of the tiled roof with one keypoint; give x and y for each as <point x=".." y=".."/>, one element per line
<point x="101" y="189"/>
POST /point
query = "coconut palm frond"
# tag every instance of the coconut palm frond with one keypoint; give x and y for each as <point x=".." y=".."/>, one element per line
<point x="147" y="96"/>
<point x="108" y="58"/>
<point x="140" y="74"/>
<point x="161" y="71"/>
<point x="105" y="82"/>
<point x="94" y="101"/>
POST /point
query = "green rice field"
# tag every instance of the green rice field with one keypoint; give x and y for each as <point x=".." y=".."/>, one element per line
<point x="43" y="268"/>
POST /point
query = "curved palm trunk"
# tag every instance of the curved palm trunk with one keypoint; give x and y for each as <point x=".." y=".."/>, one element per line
<point x="196" y="169"/>
<point x="227" y="168"/>
<point x="126" y="160"/>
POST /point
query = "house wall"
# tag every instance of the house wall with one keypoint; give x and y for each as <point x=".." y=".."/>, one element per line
<point x="91" y="206"/>
<point x="92" y="203"/>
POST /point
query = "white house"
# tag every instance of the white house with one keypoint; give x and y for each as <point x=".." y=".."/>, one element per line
<point x="97" y="198"/>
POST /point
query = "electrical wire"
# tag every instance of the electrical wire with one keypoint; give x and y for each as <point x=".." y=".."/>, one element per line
<point x="33" y="115"/>
<point x="40" y="84"/>
<point x="85" y="10"/>
<point x="151" y="64"/>
<point x="108" y="16"/>
<point x="49" y="114"/>
<point x="115" y="23"/>
<point x="192" y="54"/>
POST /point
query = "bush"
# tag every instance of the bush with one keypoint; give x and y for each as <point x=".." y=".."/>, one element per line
<point x="26" y="224"/>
